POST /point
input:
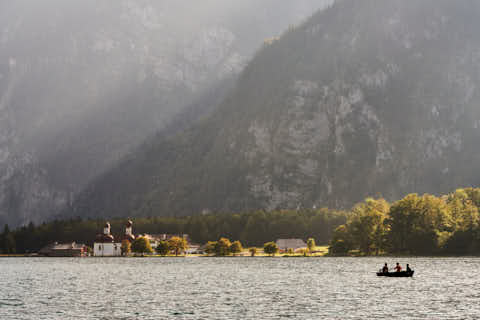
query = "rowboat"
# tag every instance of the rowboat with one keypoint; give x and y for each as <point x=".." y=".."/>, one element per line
<point x="396" y="274"/>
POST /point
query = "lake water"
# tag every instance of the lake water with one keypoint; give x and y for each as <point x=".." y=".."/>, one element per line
<point x="236" y="288"/>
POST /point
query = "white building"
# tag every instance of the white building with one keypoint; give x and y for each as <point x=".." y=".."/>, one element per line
<point x="105" y="244"/>
<point x="294" y="244"/>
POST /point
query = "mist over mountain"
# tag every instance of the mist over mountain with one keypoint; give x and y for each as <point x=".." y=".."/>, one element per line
<point x="366" y="98"/>
<point x="84" y="82"/>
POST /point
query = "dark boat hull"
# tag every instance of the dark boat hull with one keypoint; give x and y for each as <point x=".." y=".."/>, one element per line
<point x="402" y="274"/>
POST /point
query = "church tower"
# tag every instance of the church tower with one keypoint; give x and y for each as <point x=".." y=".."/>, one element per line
<point x="128" y="232"/>
<point x="106" y="229"/>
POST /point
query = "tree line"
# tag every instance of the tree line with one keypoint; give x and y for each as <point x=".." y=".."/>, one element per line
<point x="251" y="228"/>
<point x="414" y="225"/>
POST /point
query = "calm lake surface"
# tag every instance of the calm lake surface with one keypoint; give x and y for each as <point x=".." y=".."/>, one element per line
<point x="236" y="288"/>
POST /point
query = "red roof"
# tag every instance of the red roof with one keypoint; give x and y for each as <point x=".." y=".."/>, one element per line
<point x="104" y="238"/>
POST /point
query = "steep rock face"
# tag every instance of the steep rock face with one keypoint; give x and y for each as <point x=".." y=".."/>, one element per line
<point x="24" y="187"/>
<point x="86" y="82"/>
<point x="366" y="98"/>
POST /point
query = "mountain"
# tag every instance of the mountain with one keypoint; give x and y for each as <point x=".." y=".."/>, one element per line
<point x="82" y="83"/>
<point x="366" y="98"/>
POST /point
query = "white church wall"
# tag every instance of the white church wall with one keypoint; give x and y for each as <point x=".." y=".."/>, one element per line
<point x="107" y="249"/>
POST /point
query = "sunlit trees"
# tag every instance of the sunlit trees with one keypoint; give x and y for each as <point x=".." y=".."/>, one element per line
<point x="210" y="247"/>
<point x="364" y="231"/>
<point x="415" y="224"/>
<point x="464" y="223"/>
<point x="142" y="246"/>
<point x="126" y="247"/>
<point x="163" y="248"/>
<point x="421" y="225"/>
<point x="311" y="245"/>
<point x="366" y="227"/>
<point x="236" y="247"/>
<point x="464" y="213"/>
<point x="222" y="247"/>
<point x="177" y="245"/>
<point x="270" y="248"/>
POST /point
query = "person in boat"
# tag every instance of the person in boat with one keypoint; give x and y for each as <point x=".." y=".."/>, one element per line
<point x="385" y="268"/>
<point x="398" y="267"/>
<point x="408" y="268"/>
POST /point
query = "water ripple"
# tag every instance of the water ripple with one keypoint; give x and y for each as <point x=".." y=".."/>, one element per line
<point x="239" y="288"/>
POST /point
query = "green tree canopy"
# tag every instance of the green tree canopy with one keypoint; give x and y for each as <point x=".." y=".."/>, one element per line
<point x="163" y="248"/>
<point x="341" y="242"/>
<point x="365" y="229"/>
<point x="141" y="245"/>
<point x="415" y="224"/>
<point x="177" y="245"/>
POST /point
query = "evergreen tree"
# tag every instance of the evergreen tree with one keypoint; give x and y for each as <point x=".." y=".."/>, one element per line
<point x="8" y="244"/>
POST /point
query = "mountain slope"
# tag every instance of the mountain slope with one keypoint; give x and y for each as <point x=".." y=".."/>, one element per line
<point x="82" y="83"/>
<point x="366" y="98"/>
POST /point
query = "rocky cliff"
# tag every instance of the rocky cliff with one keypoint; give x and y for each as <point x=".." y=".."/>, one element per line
<point x="366" y="98"/>
<point x="82" y="83"/>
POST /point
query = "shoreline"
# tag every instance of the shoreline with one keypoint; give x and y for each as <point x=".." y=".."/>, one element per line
<point x="236" y="257"/>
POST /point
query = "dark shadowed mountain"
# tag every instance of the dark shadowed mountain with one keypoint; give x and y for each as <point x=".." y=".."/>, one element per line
<point x="84" y="82"/>
<point x="366" y="98"/>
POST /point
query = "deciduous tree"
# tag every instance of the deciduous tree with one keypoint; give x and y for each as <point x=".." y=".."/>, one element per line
<point x="270" y="248"/>
<point x="163" y="248"/>
<point x="210" y="247"/>
<point x="311" y="245"/>
<point x="341" y="243"/>
<point x="236" y="247"/>
<point x="126" y="247"/>
<point x="141" y="245"/>
<point x="222" y="247"/>
<point x="177" y="245"/>
<point x="415" y="224"/>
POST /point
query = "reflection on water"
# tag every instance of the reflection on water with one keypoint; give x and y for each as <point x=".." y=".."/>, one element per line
<point x="236" y="288"/>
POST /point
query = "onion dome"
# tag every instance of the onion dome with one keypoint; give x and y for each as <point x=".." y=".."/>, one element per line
<point x="129" y="224"/>
<point x="104" y="238"/>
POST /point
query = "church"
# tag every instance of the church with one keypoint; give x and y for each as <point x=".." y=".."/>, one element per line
<point x="105" y="244"/>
